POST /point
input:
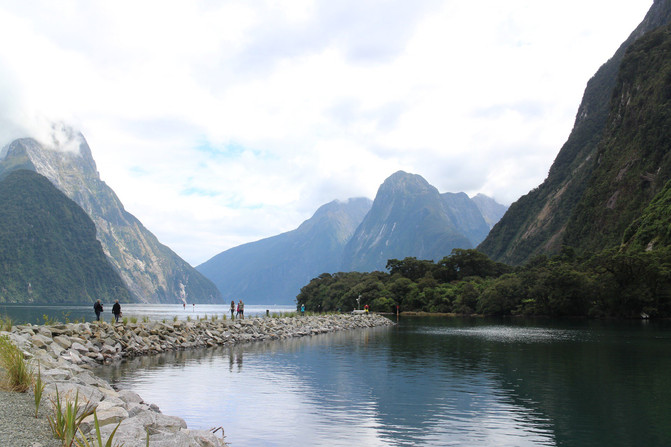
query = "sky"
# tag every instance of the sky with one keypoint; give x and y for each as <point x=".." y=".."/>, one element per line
<point x="219" y="123"/>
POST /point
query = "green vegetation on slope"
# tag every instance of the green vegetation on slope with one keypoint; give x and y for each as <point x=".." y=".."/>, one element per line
<point x="48" y="249"/>
<point x="634" y="157"/>
<point x="653" y="228"/>
<point x="545" y="219"/>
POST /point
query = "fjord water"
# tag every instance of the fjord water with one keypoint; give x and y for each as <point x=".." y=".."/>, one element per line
<point x="35" y="314"/>
<point x="427" y="381"/>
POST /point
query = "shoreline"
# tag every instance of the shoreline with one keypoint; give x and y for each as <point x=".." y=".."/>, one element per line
<point x="66" y="353"/>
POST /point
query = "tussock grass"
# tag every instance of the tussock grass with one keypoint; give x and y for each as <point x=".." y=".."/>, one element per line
<point x="68" y="416"/>
<point x="38" y="389"/>
<point x="97" y="441"/>
<point x="18" y="374"/>
<point x="49" y="321"/>
<point x="6" y="323"/>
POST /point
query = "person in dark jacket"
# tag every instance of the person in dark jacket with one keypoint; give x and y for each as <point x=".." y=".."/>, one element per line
<point x="98" y="308"/>
<point x="116" y="310"/>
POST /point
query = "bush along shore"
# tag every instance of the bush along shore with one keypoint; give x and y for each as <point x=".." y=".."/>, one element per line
<point x="64" y="354"/>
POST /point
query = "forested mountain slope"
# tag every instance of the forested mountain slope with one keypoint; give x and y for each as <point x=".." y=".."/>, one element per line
<point x="541" y="221"/>
<point x="48" y="247"/>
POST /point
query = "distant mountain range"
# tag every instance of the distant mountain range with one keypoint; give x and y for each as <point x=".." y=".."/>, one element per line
<point x="273" y="270"/>
<point x="408" y="218"/>
<point x="151" y="271"/>
<point x="611" y="175"/>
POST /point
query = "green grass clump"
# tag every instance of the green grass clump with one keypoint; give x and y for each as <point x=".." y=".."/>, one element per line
<point x="145" y="319"/>
<point x="18" y="375"/>
<point x="49" y="321"/>
<point x="83" y="441"/>
<point x="67" y="418"/>
<point x="6" y="323"/>
<point x="38" y="388"/>
<point x="133" y="320"/>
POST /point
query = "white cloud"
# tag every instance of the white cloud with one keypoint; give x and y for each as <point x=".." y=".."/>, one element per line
<point x="218" y="123"/>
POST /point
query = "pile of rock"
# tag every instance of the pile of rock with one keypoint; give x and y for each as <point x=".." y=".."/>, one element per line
<point x="66" y="352"/>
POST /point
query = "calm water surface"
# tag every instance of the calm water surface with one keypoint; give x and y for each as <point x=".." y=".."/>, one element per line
<point x="426" y="382"/>
<point x="34" y="314"/>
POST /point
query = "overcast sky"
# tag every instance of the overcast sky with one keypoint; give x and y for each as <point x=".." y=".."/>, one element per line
<point x="222" y="122"/>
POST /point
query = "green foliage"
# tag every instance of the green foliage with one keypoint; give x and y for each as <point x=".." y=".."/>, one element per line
<point x="614" y="283"/>
<point x="6" y="323"/>
<point x="653" y="227"/>
<point x="67" y="417"/>
<point x="38" y="389"/>
<point x="18" y="375"/>
<point x="83" y="441"/>
<point x="49" y="321"/>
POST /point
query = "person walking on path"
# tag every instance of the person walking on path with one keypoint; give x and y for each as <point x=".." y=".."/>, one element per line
<point x="302" y="309"/>
<point x="98" y="308"/>
<point x="232" y="309"/>
<point x="242" y="310"/>
<point x="116" y="310"/>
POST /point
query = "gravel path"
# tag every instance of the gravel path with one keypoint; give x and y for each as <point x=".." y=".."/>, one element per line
<point x="18" y="426"/>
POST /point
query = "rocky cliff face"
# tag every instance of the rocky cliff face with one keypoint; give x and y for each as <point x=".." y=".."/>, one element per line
<point x="466" y="216"/>
<point x="491" y="210"/>
<point x="408" y="218"/>
<point x="152" y="272"/>
<point x="273" y="270"/>
<point x="538" y="221"/>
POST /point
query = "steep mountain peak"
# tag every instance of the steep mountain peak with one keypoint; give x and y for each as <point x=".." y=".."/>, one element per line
<point x="401" y="181"/>
<point x="152" y="272"/>
<point x="408" y="218"/>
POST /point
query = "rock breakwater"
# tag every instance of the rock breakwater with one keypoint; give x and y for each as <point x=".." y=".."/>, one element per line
<point x="66" y="352"/>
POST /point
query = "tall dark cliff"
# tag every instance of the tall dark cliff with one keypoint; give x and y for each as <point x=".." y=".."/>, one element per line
<point x="273" y="270"/>
<point x="633" y="160"/>
<point x="538" y="222"/>
<point x="151" y="271"/>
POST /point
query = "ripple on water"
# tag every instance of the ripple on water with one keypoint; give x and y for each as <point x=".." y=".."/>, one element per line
<point x="511" y="334"/>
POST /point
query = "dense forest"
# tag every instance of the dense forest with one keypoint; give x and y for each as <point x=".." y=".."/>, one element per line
<point x="610" y="283"/>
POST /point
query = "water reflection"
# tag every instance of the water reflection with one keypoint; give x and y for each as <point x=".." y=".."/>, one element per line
<point x="425" y="382"/>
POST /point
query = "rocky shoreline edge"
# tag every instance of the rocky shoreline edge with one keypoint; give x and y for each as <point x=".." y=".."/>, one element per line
<point x="65" y="354"/>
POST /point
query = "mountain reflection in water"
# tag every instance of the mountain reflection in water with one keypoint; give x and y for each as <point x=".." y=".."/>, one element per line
<point x="428" y="381"/>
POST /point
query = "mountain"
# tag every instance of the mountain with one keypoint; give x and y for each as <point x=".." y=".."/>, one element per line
<point x="559" y="211"/>
<point x="48" y="248"/>
<point x="634" y="156"/>
<point x="491" y="210"/>
<point x="408" y="218"/>
<point x="273" y="270"/>
<point x="466" y="216"/>
<point x="151" y="271"/>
